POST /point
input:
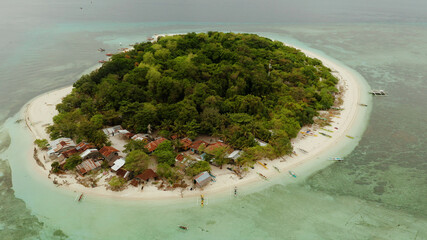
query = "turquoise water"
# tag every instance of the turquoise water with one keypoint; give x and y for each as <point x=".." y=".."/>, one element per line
<point x="378" y="193"/>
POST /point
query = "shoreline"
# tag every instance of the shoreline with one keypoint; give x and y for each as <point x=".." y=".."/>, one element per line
<point x="40" y="111"/>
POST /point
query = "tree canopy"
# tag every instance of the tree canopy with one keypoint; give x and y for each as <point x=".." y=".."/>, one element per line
<point x="236" y="86"/>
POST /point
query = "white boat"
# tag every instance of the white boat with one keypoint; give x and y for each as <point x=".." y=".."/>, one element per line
<point x="336" y="159"/>
<point x="378" y="93"/>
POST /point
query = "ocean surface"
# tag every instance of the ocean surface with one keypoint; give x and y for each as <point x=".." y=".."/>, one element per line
<point x="379" y="192"/>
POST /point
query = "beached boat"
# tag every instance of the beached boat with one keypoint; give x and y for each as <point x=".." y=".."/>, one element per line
<point x="326" y="135"/>
<point x="102" y="61"/>
<point x="302" y="150"/>
<point x="349" y="136"/>
<point x="293" y="174"/>
<point x="326" y="130"/>
<point x="235" y="191"/>
<point x="363" y="105"/>
<point x="109" y="54"/>
<point x="336" y="159"/>
<point x="262" y="176"/>
<point x="262" y="164"/>
<point x="202" y="200"/>
<point x="277" y="169"/>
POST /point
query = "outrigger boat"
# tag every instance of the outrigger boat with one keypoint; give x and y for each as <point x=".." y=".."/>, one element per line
<point x="262" y="164"/>
<point x="80" y="198"/>
<point x="292" y="173"/>
<point x="326" y="130"/>
<point x="261" y="175"/>
<point x="302" y="150"/>
<point x="378" y="92"/>
<point x="326" y="135"/>
<point x="336" y="159"/>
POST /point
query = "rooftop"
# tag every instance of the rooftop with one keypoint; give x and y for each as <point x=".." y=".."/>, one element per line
<point x="106" y="151"/>
<point x="196" y="144"/>
<point x="154" y="144"/>
<point x="118" y="164"/>
<point x="87" y="166"/>
<point x="211" y="148"/>
<point x="147" y="174"/>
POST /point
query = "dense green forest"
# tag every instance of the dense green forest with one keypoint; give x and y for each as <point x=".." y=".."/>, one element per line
<point x="235" y="86"/>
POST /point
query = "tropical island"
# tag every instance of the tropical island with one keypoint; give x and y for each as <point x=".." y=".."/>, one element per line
<point x="173" y="109"/>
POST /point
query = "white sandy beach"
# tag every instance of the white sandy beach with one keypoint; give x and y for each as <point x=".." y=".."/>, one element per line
<point x="39" y="112"/>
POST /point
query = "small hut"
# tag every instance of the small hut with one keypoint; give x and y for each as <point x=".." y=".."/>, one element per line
<point x="202" y="179"/>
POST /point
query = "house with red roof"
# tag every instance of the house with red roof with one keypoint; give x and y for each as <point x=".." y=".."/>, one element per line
<point x="144" y="177"/>
<point x="195" y="145"/>
<point x="109" y="153"/>
<point x="186" y="143"/>
<point x="151" y="146"/>
<point x="66" y="154"/>
<point x="182" y="161"/>
<point x="213" y="147"/>
<point x="83" y="146"/>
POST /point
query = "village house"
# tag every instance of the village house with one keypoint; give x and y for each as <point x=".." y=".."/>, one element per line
<point x="186" y="143"/>
<point x="111" y="131"/>
<point x="60" y="145"/>
<point x="194" y="147"/>
<point x="141" y="137"/>
<point x="202" y="179"/>
<point x="214" y="147"/>
<point x="118" y="164"/>
<point x="110" y="154"/>
<point x="182" y="161"/>
<point x="83" y="146"/>
<point x="151" y="146"/>
<point x="66" y="154"/>
<point x="234" y="155"/>
<point x="123" y="173"/>
<point x="87" y="166"/>
<point x="90" y="153"/>
<point x="144" y="177"/>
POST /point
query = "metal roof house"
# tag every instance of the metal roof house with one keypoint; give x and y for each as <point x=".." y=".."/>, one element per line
<point x="202" y="179"/>
<point x="235" y="154"/>
<point x="118" y="164"/>
<point x="111" y="131"/>
<point x="87" y="166"/>
<point x="90" y="153"/>
<point x="60" y="145"/>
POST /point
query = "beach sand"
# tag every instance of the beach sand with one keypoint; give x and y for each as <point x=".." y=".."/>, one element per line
<point x="39" y="112"/>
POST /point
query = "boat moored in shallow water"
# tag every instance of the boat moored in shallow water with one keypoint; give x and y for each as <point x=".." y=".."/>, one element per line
<point x="378" y="92"/>
<point x="293" y="174"/>
<point x="336" y="159"/>
<point x="261" y="175"/>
